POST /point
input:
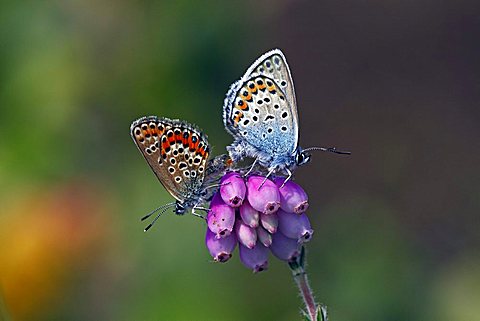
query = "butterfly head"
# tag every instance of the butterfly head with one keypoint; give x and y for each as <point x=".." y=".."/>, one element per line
<point x="301" y="157"/>
<point x="180" y="208"/>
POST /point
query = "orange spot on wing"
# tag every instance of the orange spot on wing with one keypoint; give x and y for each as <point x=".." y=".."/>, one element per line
<point x="201" y="151"/>
<point x="246" y="97"/>
<point x="253" y="90"/>
<point x="191" y="144"/>
<point x="178" y="137"/>
<point x="195" y="145"/>
<point x="159" y="132"/>
<point x="271" y="88"/>
<point x="238" y="117"/>
<point x="150" y="130"/>
<point x="165" y="145"/>
<point x="244" y="106"/>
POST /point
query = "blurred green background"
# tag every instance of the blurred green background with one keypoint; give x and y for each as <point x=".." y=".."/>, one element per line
<point x="397" y="227"/>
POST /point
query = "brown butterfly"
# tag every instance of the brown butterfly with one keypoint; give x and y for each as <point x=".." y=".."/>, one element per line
<point x="177" y="153"/>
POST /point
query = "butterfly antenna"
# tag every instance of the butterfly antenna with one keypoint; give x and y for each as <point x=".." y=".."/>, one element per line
<point x="329" y="149"/>
<point x="156" y="218"/>
<point x="157" y="209"/>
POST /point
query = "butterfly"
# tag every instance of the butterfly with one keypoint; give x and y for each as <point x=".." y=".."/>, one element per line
<point x="177" y="153"/>
<point x="260" y="112"/>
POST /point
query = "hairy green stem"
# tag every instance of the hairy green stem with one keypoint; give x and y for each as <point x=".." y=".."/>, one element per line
<point x="314" y="311"/>
<point x="302" y="282"/>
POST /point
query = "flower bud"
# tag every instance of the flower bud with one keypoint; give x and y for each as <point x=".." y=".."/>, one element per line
<point x="284" y="248"/>
<point x="265" y="199"/>
<point x="255" y="258"/>
<point x="233" y="189"/>
<point x="220" y="248"/>
<point x="249" y="215"/>
<point x="245" y="234"/>
<point x="269" y="222"/>
<point x="221" y="217"/>
<point x="293" y="198"/>
<point x="264" y="237"/>
<point x="294" y="226"/>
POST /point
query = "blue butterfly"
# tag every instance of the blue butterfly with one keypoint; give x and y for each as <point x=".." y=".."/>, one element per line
<point x="260" y="112"/>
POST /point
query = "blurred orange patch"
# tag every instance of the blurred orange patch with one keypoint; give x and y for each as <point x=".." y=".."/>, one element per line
<point x="46" y="237"/>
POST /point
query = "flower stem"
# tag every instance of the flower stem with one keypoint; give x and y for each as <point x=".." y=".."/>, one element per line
<point x="307" y="295"/>
<point x="314" y="311"/>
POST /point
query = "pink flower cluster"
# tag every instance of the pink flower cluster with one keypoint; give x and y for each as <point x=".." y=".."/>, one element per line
<point x="258" y="219"/>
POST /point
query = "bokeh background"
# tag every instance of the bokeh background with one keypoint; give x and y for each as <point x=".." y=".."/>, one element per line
<point x="397" y="223"/>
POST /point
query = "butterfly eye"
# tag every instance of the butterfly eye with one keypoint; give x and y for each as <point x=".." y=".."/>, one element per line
<point x="298" y="158"/>
<point x="179" y="208"/>
<point x="302" y="158"/>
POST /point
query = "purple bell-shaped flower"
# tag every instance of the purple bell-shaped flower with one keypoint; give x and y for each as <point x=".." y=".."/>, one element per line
<point x="293" y="198"/>
<point x="269" y="222"/>
<point x="255" y="258"/>
<point x="264" y="237"/>
<point x="284" y="248"/>
<point x="258" y="217"/>
<point x="233" y="189"/>
<point x="249" y="215"/>
<point x="245" y="234"/>
<point x="294" y="226"/>
<point x="220" y="248"/>
<point x="265" y="199"/>
<point x="221" y="217"/>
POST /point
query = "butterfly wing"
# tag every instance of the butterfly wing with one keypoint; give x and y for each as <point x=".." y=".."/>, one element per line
<point x="176" y="151"/>
<point x="261" y="109"/>
<point x="273" y="64"/>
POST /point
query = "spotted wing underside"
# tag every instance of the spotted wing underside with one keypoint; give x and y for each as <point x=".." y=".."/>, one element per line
<point x="261" y="107"/>
<point x="176" y="151"/>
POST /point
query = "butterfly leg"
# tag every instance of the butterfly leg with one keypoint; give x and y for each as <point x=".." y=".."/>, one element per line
<point x="214" y="186"/>
<point x="270" y="172"/>
<point x="288" y="178"/>
<point x="202" y="208"/>
<point x="251" y="168"/>
<point x="199" y="208"/>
